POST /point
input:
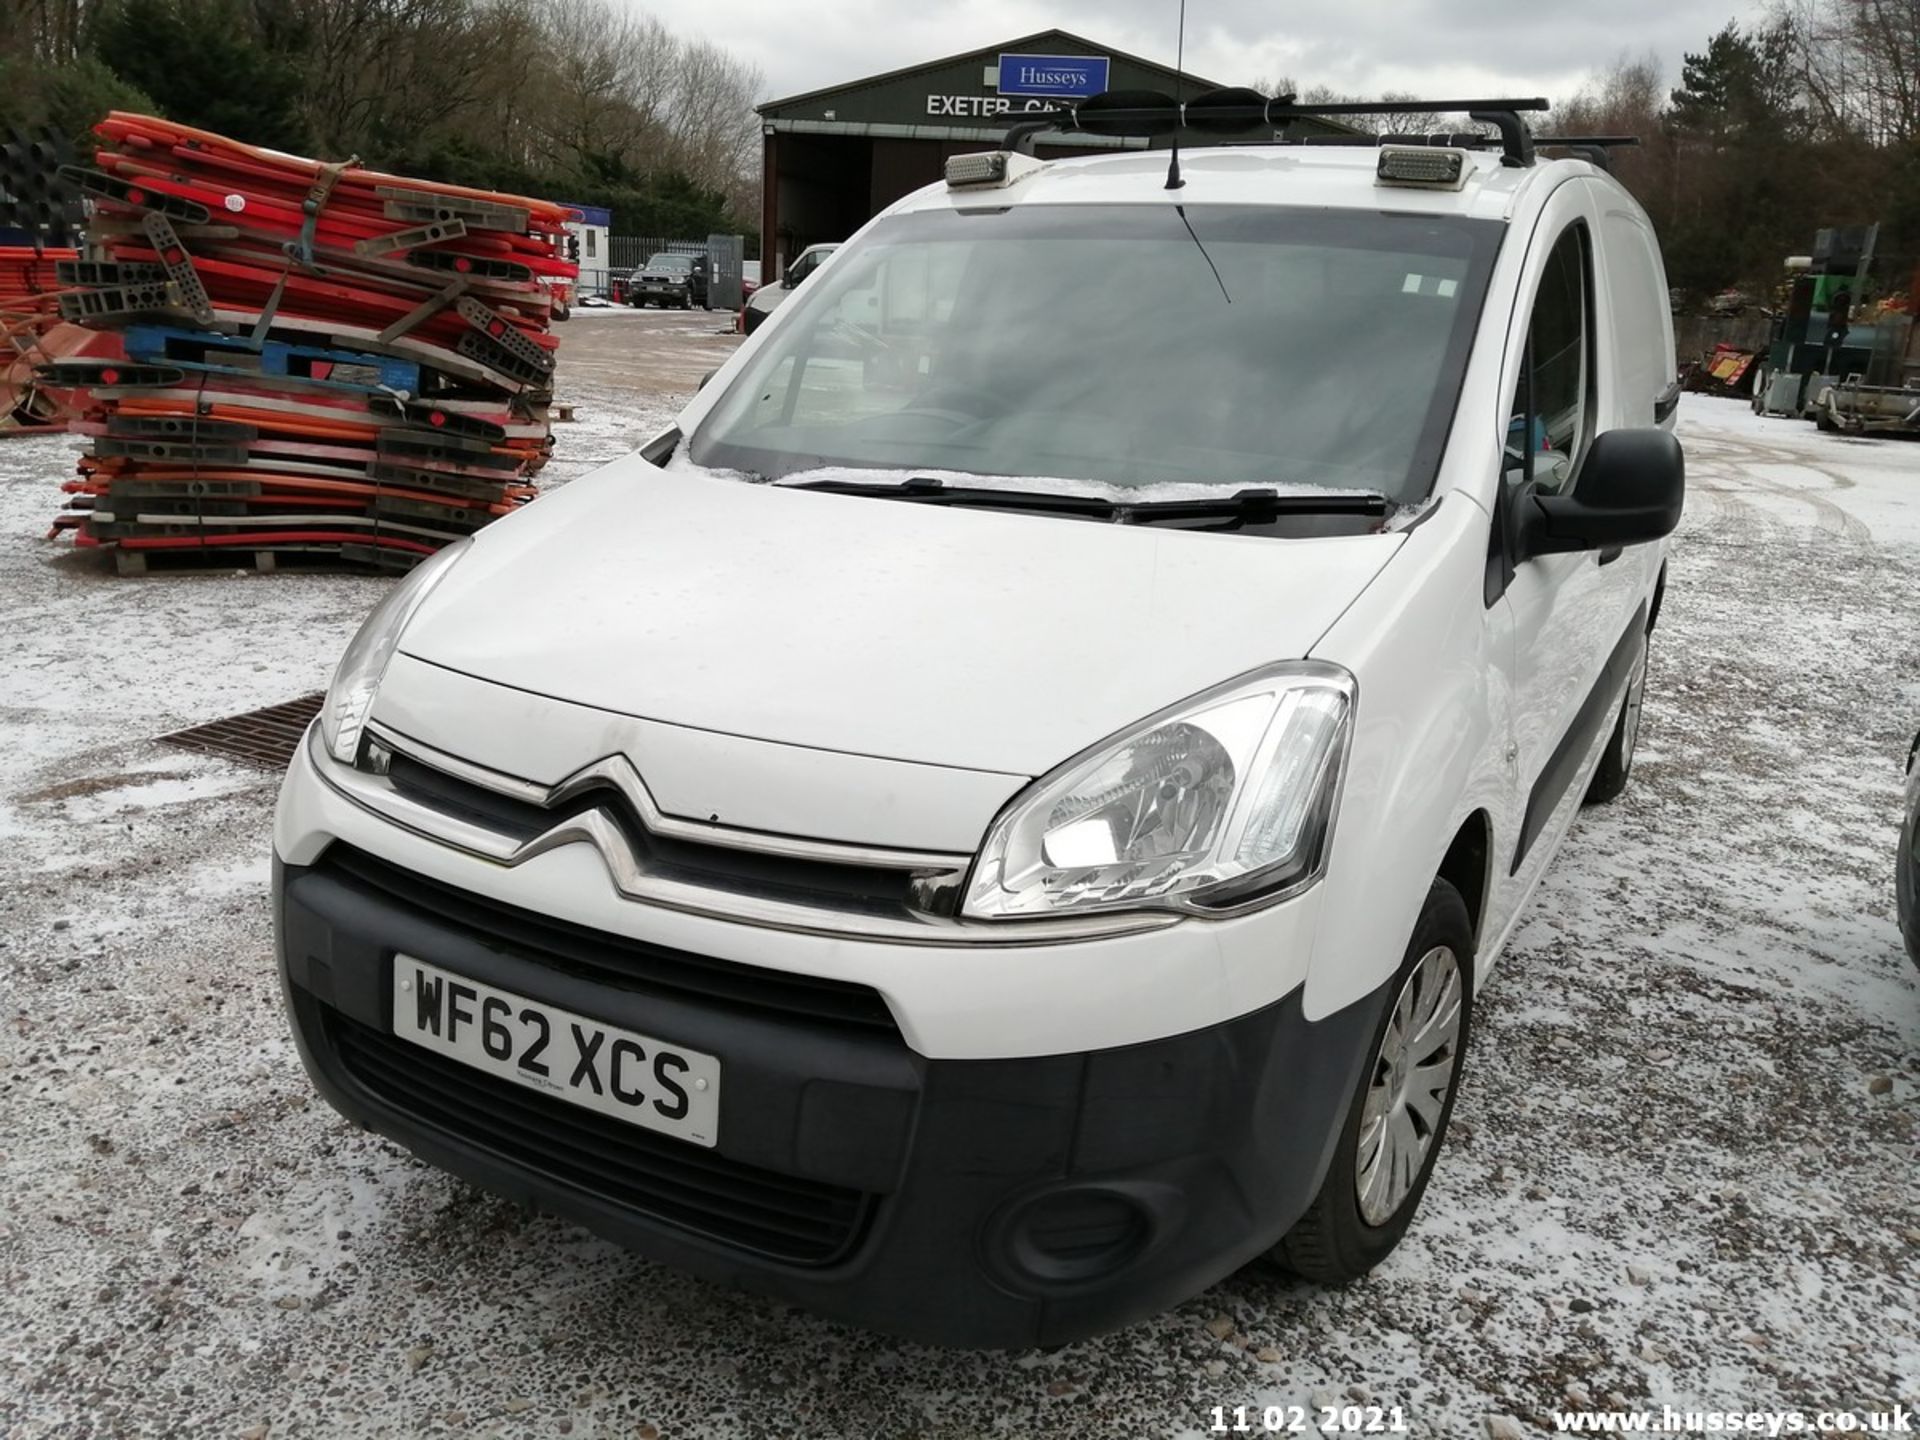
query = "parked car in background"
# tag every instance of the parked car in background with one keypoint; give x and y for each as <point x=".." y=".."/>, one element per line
<point x="768" y="298"/>
<point x="666" y="279"/>
<point x="749" y="278"/>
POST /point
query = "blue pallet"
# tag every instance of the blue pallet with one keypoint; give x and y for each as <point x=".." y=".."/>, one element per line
<point x="157" y="343"/>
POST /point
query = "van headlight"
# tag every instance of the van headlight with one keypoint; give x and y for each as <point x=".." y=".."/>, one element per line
<point x="1223" y="801"/>
<point x="356" y="680"/>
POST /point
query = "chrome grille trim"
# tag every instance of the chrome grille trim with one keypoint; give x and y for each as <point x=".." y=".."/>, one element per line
<point x="617" y="772"/>
<point x="899" y="924"/>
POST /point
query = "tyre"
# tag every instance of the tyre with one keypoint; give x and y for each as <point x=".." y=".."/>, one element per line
<point x="1906" y="874"/>
<point x="1397" y="1120"/>
<point x="1616" y="761"/>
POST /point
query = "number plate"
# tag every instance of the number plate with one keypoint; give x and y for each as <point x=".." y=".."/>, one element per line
<point x="631" y="1077"/>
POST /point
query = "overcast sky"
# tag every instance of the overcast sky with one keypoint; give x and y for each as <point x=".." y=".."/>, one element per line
<point x="1431" y="47"/>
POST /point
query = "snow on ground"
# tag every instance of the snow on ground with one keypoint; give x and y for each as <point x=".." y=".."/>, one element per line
<point x="1672" y="1178"/>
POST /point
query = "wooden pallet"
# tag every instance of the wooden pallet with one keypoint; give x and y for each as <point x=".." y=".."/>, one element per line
<point x="213" y="560"/>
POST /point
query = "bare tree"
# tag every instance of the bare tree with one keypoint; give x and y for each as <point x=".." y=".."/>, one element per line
<point x="45" y="30"/>
<point x="603" y="77"/>
<point x="1858" y="62"/>
<point x="389" y="74"/>
<point x="716" y="131"/>
<point x="620" y="95"/>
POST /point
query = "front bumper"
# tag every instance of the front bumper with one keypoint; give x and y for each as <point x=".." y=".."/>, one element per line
<point x="988" y="1202"/>
<point x="675" y="293"/>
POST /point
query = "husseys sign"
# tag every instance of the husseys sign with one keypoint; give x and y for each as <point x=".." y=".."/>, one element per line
<point x="1027" y="82"/>
<point x="1071" y="77"/>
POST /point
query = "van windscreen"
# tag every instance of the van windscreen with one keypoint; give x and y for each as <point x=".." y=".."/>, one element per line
<point x="1268" y="347"/>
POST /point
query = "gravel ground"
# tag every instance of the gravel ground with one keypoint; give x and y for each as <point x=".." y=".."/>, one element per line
<point x="1681" y="1170"/>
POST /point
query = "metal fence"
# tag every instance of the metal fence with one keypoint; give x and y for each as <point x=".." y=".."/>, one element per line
<point x="594" y="281"/>
<point x="627" y="253"/>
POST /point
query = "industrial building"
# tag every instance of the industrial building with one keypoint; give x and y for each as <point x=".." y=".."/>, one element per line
<point x="835" y="158"/>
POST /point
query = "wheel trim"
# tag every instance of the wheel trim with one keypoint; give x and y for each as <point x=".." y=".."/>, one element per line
<point x="1412" y="1074"/>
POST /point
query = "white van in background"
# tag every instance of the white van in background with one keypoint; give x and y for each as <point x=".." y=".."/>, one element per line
<point x="768" y="298"/>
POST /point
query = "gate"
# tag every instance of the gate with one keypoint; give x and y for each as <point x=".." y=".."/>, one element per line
<point x="724" y="256"/>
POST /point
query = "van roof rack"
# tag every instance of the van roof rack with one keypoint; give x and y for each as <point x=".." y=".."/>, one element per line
<point x="1596" y="150"/>
<point x="1149" y="112"/>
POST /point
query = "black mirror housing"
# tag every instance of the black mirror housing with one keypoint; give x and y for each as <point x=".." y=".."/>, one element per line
<point x="1630" y="490"/>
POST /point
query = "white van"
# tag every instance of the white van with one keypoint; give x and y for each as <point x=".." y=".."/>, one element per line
<point x="766" y="299"/>
<point x="999" y="817"/>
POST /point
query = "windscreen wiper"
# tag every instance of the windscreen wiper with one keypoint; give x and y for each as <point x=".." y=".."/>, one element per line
<point x="929" y="491"/>
<point x="1258" y="506"/>
<point x="1247" y="507"/>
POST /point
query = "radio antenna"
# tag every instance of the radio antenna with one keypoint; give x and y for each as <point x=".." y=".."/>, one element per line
<point x="1174" y="182"/>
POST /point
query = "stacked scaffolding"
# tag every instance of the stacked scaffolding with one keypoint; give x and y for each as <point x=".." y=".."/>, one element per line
<point x="318" y="359"/>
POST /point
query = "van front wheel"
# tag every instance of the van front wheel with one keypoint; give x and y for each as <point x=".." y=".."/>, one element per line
<point x="1610" y="776"/>
<point x="1398" y="1118"/>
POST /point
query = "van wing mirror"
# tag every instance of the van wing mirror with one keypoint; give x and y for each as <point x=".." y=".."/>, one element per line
<point x="1630" y="490"/>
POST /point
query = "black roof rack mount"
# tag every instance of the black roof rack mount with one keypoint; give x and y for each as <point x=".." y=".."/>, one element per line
<point x="1594" y="149"/>
<point x="1147" y="112"/>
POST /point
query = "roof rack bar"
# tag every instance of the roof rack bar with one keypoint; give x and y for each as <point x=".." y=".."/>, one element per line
<point x="1596" y="150"/>
<point x="1020" y="137"/>
<point x="1405" y="107"/>
<point x="1367" y="140"/>
<point x="1516" y="141"/>
<point x="1453" y="139"/>
<point x="1283" y="109"/>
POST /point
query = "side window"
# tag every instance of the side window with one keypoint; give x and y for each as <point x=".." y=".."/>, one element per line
<point x="1548" y="424"/>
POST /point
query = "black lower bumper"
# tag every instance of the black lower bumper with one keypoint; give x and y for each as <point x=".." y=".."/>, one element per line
<point x="961" y="1202"/>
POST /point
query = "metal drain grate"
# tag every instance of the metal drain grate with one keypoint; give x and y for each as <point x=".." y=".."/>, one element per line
<point x="266" y="738"/>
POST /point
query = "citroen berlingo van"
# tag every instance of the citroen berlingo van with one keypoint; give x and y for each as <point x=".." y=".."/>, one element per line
<point x="999" y="817"/>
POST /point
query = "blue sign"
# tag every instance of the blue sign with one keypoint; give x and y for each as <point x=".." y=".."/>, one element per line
<point x="1070" y="77"/>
